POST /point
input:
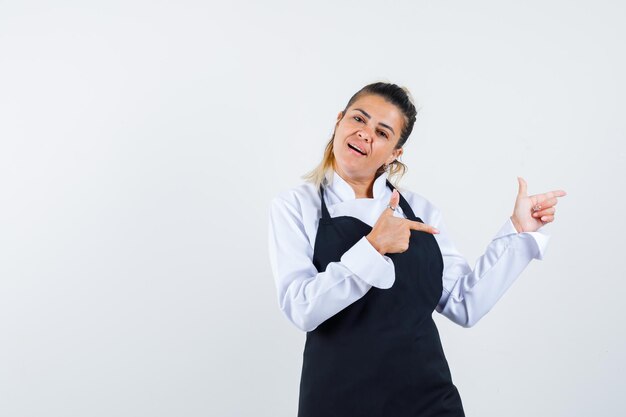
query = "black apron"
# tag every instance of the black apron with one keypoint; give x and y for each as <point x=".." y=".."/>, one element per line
<point x="380" y="356"/>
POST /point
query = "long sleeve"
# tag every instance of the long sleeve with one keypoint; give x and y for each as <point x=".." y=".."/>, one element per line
<point x="308" y="297"/>
<point x="468" y="294"/>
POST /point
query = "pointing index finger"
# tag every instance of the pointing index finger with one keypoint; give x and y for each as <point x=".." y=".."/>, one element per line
<point x="422" y="227"/>
<point x="550" y="195"/>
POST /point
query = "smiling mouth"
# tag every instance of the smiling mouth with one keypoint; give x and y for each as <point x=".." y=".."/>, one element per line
<point x="356" y="149"/>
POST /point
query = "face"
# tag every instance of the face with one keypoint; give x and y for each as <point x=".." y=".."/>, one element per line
<point x="372" y="125"/>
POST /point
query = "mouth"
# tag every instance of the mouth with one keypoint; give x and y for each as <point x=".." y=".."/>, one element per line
<point x="357" y="149"/>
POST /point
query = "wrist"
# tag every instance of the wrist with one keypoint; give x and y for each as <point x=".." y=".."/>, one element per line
<point x="516" y="224"/>
<point x="372" y="240"/>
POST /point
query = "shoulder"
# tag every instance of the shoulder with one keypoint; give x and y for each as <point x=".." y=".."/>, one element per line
<point x="299" y="201"/>
<point x="296" y="210"/>
<point x="422" y="207"/>
<point x="303" y="194"/>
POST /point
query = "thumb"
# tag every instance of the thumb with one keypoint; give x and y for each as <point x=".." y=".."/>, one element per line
<point x="393" y="202"/>
<point x="522" y="187"/>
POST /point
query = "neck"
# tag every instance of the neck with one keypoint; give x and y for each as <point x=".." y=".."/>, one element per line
<point x="363" y="190"/>
<point x="362" y="187"/>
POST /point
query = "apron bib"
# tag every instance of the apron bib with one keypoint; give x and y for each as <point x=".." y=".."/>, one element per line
<point x="380" y="356"/>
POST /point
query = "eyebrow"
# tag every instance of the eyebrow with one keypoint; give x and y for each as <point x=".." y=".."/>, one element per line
<point x="380" y="123"/>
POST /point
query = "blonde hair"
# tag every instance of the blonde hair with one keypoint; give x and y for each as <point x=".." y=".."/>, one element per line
<point x="401" y="98"/>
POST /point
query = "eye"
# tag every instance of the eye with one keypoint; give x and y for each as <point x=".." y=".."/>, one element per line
<point x="358" y="118"/>
<point x="383" y="133"/>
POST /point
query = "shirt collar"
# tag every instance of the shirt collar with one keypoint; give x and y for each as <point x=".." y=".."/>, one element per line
<point x="345" y="191"/>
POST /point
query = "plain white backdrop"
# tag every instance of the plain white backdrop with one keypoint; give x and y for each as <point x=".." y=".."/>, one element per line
<point x="141" y="143"/>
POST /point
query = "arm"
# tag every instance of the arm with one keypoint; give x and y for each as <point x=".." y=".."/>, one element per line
<point x="306" y="296"/>
<point x="469" y="294"/>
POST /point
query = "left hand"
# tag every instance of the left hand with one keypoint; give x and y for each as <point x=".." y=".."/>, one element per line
<point x="532" y="212"/>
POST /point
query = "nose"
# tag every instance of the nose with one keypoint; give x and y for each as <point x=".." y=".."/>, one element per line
<point x="363" y="135"/>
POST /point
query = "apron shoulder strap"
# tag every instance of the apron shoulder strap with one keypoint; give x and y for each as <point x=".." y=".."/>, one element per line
<point x="325" y="214"/>
<point x="406" y="208"/>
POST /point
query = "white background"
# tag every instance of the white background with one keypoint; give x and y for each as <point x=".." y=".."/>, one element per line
<point x="141" y="143"/>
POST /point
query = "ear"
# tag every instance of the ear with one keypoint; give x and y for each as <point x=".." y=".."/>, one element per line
<point x="339" y="116"/>
<point x="394" y="155"/>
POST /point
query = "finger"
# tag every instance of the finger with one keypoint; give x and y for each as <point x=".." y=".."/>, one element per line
<point x="422" y="227"/>
<point x="555" y="193"/>
<point x="550" y="194"/>
<point x="558" y="193"/>
<point x="522" y="186"/>
<point x="393" y="202"/>
<point x="550" y="210"/>
<point x="543" y="201"/>
<point x="547" y="219"/>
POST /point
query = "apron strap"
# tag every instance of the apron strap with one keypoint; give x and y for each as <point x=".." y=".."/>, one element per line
<point x="325" y="214"/>
<point x="406" y="208"/>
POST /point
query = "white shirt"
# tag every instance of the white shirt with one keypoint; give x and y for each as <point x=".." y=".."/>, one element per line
<point x="308" y="297"/>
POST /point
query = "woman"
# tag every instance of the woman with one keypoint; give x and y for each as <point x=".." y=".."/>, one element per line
<point x="361" y="267"/>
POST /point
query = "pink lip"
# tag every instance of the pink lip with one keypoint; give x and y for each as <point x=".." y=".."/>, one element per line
<point x="355" y="152"/>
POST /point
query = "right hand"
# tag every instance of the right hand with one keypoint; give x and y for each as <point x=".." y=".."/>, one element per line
<point x="391" y="234"/>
